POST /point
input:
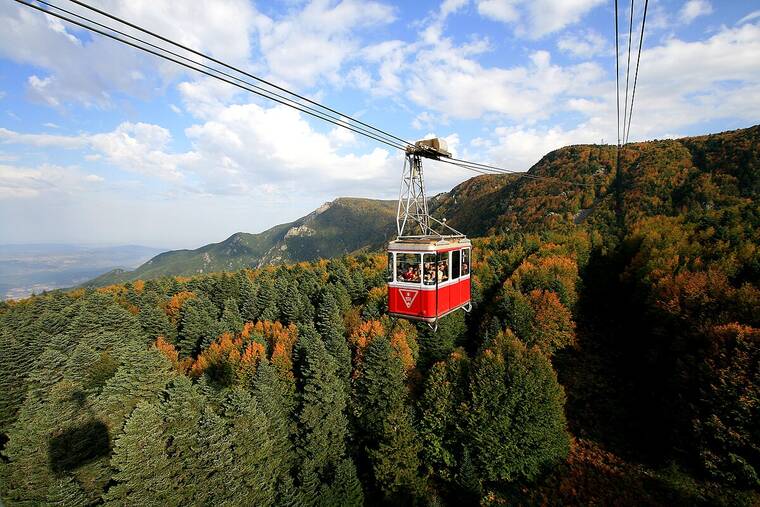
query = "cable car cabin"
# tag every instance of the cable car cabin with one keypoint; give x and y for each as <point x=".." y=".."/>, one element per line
<point x="428" y="278"/>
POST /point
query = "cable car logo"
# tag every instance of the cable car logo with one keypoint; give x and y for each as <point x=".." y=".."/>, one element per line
<point x="408" y="296"/>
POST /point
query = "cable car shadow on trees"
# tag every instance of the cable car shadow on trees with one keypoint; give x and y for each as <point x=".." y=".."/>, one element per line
<point x="428" y="271"/>
<point x="79" y="445"/>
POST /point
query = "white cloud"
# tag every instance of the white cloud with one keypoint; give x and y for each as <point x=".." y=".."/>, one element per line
<point x="90" y="70"/>
<point x="51" y="125"/>
<point x="693" y="9"/>
<point x="749" y="17"/>
<point x="446" y="80"/>
<point x="681" y="84"/>
<point x="500" y="10"/>
<point x="133" y="147"/>
<point x="23" y="182"/>
<point x="536" y="18"/>
<point x="316" y="41"/>
<point x="584" y="44"/>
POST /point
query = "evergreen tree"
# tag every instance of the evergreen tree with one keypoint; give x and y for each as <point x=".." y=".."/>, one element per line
<point x="292" y="307"/>
<point x="66" y="492"/>
<point x="140" y="462"/>
<point x="232" y="322"/>
<point x="267" y="301"/>
<point x="275" y="396"/>
<point x="254" y="466"/>
<point x="322" y="425"/>
<point x="383" y="423"/>
<point x="248" y="290"/>
<point x="197" y="322"/>
<point x="515" y="419"/>
<point x="182" y="408"/>
<point x="155" y="323"/>
<point x="333" y="332"/>
<point x="437" y="422"/>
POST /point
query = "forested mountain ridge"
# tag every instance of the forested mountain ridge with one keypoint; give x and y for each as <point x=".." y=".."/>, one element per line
<point x="612" y="357"/>
<point x="667" y="177"/>
<point x="336" y="228"/>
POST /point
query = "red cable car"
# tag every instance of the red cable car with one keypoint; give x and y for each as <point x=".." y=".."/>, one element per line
<point x="428" y="272"/>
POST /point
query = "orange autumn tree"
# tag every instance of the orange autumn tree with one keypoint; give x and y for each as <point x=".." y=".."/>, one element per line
<point x="174" y="305"/>
<point x="168" y="350"/>
<point x="402" y="338"/>
<point x="234" y="359"/>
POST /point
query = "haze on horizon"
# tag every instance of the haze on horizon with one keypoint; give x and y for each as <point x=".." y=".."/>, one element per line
<point x="100" y="144"/>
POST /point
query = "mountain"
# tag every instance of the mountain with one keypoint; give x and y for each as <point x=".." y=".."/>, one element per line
<point x="339" y="227"/>
<point x="29" y="268"/>
<point x="578" y="184"/>
<point x="567" y="186"/>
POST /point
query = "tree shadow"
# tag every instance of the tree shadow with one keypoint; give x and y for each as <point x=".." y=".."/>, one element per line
<point x="78" y="445"/>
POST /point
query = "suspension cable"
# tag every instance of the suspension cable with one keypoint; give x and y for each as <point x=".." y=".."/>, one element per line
<point x="261" y="80"/>
<point x="628" y="69"/>
<point x="636" y="77"/>
<point x="343" y="120"/>
<point x="210" y="74"/>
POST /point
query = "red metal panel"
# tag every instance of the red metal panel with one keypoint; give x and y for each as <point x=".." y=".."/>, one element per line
<point x="415" y="302"/>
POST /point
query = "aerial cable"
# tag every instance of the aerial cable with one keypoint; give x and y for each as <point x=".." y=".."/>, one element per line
<point x="252" y="85"/>
<point x="375" y="133"/>
<point x="627" y="70"/>
<point x="207" y="73"/>
<point x="617" y="73"/>
<point x="636" y="77"/>
<point x="261" y="80"/>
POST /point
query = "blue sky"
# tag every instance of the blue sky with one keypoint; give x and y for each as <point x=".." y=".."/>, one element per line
<point x="100" y="144"/>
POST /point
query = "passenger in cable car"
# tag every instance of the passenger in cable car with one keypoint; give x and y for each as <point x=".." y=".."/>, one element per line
<point x="465" y="268"/>
<point x="443" y="271"/>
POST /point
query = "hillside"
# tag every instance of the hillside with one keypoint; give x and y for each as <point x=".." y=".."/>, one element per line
<point x="336" y="228"/>
<point x="612" y="357"/>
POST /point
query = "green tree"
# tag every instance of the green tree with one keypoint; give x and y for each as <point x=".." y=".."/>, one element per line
<point x="333" y="332"/>
<point x="232" y="322"/>
<point x="197" y="322"/>
<point x="155" y="323"/>
<point x="322" y="424"/>
<point x="140" y="462"/>
<point x="515" y="419"/>
<point x="384" y="426"/>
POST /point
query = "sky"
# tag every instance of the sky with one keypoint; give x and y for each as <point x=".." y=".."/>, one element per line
<point x="100" y="144"/>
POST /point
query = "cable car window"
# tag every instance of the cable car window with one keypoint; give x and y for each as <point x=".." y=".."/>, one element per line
<point x="455" y="260"/>
<point x="428" y="269"/>
<point x="408" y="267"/>
<point x="390" y="267"/>
<point x="442" y="267"/>
<point x="465" y="261"/>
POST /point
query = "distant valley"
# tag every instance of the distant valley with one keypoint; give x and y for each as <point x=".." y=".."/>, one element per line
<point x="34" y="268"/>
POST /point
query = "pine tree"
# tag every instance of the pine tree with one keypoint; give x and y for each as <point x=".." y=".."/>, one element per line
<point x="515" y="419"/>
<point x="232" y="322"/>
<point x="333" y="332"/>
<point x="66" y="492"/>
<point x="384" y="424"/>
<point x="292" y="308"/>
<point x="254" y="467"/>
<point x="267" y="301"/>
<point x="275" y="396"/>
<point x="322" y="425"/>
<point x="197" y="322"/>
<point x="247" y="299"/>
<point x="155" y="323"/>
<point x="437" y="425"/>
<point x="182" y="408"/>
<point x="140" y="461"/>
